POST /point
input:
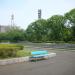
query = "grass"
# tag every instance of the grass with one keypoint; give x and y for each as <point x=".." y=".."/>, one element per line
<point x="23" y="53"/>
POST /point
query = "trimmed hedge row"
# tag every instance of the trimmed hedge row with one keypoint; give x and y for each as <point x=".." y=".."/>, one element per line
<point x="20" y="47"/>
<point x="9" y="50"/>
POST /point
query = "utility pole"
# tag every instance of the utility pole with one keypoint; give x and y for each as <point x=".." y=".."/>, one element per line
<point x="12" y="20"/>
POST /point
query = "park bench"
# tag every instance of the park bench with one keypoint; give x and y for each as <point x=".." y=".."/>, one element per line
<point x="38" y="55"/>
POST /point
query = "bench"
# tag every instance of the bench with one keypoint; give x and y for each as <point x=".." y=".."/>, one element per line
<point x="38" y="55"/>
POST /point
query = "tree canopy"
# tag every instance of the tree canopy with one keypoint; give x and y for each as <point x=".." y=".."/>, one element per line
<point x="56" y="28"/>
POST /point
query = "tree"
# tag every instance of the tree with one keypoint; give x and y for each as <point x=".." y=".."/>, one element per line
<point x="3" y="37"/>
<point x="71" y="17"/>
<point x="16" y="34"/>
<point x="37" y="31"/>
<point x="56" y="27"/>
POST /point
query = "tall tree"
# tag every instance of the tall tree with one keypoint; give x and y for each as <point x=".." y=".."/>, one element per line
<point x="71" y="17"/>
<point x="36" y="31"/>
<point x="56" y="27"/>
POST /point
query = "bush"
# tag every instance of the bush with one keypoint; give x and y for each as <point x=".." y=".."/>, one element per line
<point x="22" y="53"/>
<point x="19" y="47"/>
<point x="9" y="50"/>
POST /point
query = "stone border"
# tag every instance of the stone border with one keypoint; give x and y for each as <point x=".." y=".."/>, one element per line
<point x="14" y="60"/>
<point x="21" y="59"/>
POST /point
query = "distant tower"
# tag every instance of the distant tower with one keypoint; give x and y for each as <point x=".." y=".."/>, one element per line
<point x="39" y="13"/>
<point x="12" y="20"/>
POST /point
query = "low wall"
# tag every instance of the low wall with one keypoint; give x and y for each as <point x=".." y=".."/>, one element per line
<point x="13" y="60"/>
<point x="21" y="59"/>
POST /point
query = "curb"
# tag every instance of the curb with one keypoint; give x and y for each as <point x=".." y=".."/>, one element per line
<point x="14" y="60"/>
<point x="21" y="59"/>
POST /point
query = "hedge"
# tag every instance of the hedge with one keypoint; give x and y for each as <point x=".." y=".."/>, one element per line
<point x="22" y="53"/>
<point x="9" y="50"/>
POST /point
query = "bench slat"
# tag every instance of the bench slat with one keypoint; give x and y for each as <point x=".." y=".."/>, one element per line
<point x="39" y="52"/>
<point x="40" y="55"/>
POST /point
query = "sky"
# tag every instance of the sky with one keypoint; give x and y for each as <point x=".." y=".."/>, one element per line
<point x="25" y="11"/>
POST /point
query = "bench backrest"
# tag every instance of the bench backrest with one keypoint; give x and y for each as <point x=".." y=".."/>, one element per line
<point x="40" y="52"/>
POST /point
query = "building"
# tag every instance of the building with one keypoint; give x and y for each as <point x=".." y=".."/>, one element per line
<point x="4" y="28"/>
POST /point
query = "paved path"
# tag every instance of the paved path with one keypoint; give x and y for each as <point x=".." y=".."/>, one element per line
<point x="62" y="64"/>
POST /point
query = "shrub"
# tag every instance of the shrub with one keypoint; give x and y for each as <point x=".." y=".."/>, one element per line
<point x="21" y="47"/>
<point x="22" y="53"/>
<point x="9" y="50"/>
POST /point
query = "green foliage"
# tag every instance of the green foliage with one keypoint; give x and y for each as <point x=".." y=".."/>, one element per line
<point x="22" y="53"/>
<point x="16" y="35"/>
<point x="71" y="17"/>
<point x="56" y="27"/>
<point x="43" y="31"/>
<point x="9" y="50"/>
<point x="16" y="46"/>
<point x="3" y="37"/>
<point x="13" y="35"/>
<point x="37" y="31"/>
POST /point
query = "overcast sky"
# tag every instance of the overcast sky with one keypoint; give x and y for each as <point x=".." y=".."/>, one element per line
<point x="25" y="11"/>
